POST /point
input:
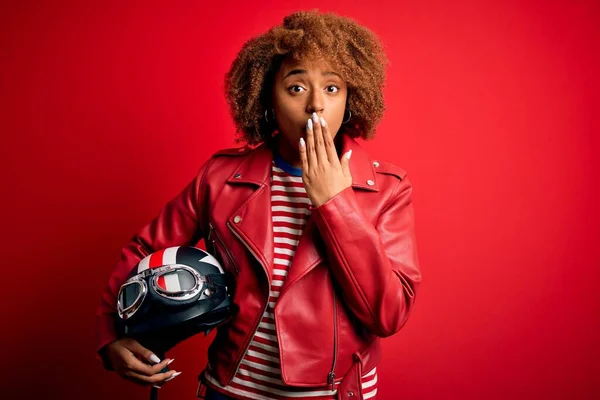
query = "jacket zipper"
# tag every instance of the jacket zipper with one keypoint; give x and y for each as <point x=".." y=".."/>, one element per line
<point x="237" y="367"/>
<point x="331" y="375"/>
<point x="212" y="234"/>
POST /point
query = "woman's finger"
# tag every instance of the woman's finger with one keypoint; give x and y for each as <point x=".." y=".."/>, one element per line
<point x="160" y="384"/>
<point x="146" y="355"/>
<point x="156" y="379"/>
<point x="303" y="156"/>
<point x="310" y="146"/>
<point x="133" y="364"/>
<point x="329" y="145"/>
<point x="319" y="142"/>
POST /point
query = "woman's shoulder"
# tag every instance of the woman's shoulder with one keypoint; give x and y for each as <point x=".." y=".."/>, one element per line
<point x="232" y="151"/>
<point x="229" y="164"/>
<point x="364" y="160"/>
<point x="388" y="168"/>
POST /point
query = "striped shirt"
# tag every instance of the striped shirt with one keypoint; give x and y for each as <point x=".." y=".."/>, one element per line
<point x="259" y="373"/>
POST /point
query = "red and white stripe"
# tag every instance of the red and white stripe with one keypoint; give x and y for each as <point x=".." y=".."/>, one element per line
<point x="259" y="374"/>
<point x="157" y="259"/>
<point x="162" y="257"/>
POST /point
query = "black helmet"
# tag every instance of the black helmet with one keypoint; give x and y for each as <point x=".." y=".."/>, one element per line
<point x="173" y="294"/>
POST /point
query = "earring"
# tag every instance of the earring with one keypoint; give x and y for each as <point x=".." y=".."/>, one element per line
<point x="266" y="116"/>
<point x="349" y="115"/>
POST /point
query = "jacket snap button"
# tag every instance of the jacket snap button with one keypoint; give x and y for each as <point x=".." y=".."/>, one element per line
<point x="370" y="182"/>
<point x="375" y="164"/>
<point x="237" y="219"/>
<point x="237" y="176"/>
<point x="350" y="394"/>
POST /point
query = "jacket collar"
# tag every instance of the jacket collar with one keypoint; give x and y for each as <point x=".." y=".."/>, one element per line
<point x="256" y="169"/>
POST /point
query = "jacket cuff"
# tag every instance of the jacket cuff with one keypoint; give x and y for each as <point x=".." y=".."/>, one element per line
<point x="106" y="334"/>
<point x="102" y="356"/>
<point x="330" y="204"/>
<point x="332" y="213"/>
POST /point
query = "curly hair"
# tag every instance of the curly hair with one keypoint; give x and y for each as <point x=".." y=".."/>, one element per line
<point x="355" y="52"/>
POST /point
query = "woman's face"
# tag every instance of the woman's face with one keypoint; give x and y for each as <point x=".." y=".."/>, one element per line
<point x="301" y="88"/>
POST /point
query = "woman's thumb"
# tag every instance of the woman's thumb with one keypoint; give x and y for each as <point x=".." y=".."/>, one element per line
<point x="143" y="352"/>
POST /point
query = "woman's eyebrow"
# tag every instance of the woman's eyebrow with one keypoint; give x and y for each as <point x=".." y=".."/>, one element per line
<point x="303" y="71"/>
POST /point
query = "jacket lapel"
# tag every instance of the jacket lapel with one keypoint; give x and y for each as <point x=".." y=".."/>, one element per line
<point x="252" y="222"/>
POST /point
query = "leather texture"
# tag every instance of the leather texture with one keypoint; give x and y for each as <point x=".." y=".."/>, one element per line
<point x="352" y="280"/>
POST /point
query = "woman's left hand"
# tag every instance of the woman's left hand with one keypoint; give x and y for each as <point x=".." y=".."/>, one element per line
<point x="323" y="174"/>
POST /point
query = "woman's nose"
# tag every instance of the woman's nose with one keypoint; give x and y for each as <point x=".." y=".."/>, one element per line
<point x="315" y="103"/>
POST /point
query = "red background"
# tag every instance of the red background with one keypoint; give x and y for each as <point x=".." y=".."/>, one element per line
<point x="108" y="109"/>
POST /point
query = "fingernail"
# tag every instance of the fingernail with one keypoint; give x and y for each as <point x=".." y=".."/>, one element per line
<point x="323" y="122"/>
<point x="310" y="124"/>
<point x="170" y="361"/>
<point x="156" y="386"/>
<point x="176" y="374"/>
<point x="302" y="143"/>
<point x="315" y="118"/>
<point x="154" y="359"/>
<point x="349" y="154"/>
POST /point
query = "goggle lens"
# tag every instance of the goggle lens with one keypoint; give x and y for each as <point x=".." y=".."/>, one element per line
<point x="129" y="295"/>
<point x="176" y="281"/>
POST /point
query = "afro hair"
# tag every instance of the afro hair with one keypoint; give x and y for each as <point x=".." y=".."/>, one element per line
<point x="353" y="50"/>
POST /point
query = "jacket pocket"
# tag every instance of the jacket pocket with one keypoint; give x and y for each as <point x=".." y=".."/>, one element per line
<point x="220" y="251"/>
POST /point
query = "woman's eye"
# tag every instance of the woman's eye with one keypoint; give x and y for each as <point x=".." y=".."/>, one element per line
<point x="295" y="89"/>
<point x="299" y="89"/>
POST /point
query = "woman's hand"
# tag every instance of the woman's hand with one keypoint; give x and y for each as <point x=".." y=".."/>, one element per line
<point x="323" y="174"/>
<point x="125" y="356"/>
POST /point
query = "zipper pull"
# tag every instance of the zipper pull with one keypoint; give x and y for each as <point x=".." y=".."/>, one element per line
<point x="211" y="238"/>
<point x="211" y="228"/>
<point x="330" y="380"/>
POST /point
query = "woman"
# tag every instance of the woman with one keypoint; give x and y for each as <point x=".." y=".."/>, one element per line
<point x="319" y="236"/>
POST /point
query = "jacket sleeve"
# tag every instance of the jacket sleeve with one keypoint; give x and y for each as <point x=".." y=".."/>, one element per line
<point x="376" y="266"/>
<point x="177" y="224"/>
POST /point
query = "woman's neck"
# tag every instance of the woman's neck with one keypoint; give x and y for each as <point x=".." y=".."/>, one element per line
<point x="287" y="152"/>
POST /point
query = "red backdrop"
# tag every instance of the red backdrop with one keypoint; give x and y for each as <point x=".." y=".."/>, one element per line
<point x="108" y="109"/>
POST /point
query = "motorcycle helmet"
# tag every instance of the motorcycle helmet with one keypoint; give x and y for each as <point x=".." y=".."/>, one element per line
<point x="173" y="294"/>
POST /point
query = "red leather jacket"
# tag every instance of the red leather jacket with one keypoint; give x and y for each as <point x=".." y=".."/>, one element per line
<point x="352" y="280"/>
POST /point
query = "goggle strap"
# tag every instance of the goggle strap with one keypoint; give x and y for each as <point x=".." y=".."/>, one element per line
<point x="219" y="279"/>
